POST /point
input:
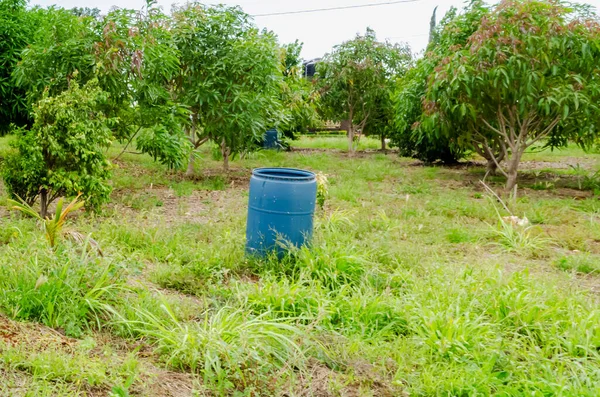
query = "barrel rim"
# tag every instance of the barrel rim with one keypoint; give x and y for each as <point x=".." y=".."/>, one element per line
<point x="290" y="174"/>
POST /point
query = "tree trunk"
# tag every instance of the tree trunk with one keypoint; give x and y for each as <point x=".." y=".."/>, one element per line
<point x="513" y="169"/>
<point x="382" y="142"/>
<point x="491" y="167"/>
<point x="351" y="141"/>
<point x="190" y="167"/>
<point x="225" y="151"/>
<point x="43" y="203"/>
<point x="351" y="132"/>
<point x="226" y="161"/>
<point x="511" y="181"/>
<point x="345" y="125"/>
<point x="192" y="136"/>
<point x="489" y="154"/>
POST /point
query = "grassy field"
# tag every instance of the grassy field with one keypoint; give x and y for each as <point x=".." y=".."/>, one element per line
<point x="334" y="142"/>
<point x="414" y="285"/>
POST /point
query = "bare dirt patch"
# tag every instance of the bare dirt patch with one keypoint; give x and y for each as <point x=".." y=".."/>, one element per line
<point x="564" y="163"/>
<point x="321" y="381"/>
<point x="171" y="209"/>
<point x="198" y="207"/>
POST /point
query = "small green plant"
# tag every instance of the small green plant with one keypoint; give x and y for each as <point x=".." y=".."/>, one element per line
<point x="586" y="180"/>
<point x="383" y="222"/>
<point x="322" y="189"/>
<point x="515" y="237"/>
<point x="545" y="185"/>
<point x="515" y="234"/>
<point x="592" y="182"/>
<point x="337" y="221"/>
<point x="587" y="264"/>
<point x="52" y="226"/>
<point x="579" y="172"/>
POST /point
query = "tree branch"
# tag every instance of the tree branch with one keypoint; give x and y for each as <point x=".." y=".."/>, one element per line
<point x="489" y="189"/>
<point x="513" y="142"/>
<point x="128" y="143"/>
<point x="519" y="123"/>
<point x="53" y="197"/>
<point x="491" y="128"/>
<point x="491" y="154"/>
<point x="546" y="131"/>
<point x="478" y="149"/>
<point x="200" y="142"/>
<point x="500" y="132"/>
<point x="487" y="147"/>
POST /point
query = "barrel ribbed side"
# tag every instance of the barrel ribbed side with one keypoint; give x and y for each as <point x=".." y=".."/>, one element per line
<point x="281" y="206"/>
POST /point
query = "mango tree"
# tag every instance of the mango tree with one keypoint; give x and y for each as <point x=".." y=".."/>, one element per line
<point x="298" y="95"/>
<point x="230" y="77"/>
<point x="356" y="77"/>
<point x="131" y="54"/>
<point x="137" y="63"/>
<point x="17" y="25"/>
<point x="381" y="120"/>
<point x="414" y="134"/>
<point x="529" y="75"/>
<point x="61" y="46"/>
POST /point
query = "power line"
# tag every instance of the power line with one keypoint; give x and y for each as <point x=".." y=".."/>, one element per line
<point x="336" y="8"/>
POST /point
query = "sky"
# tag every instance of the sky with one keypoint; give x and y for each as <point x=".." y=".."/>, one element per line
<point x="319" y="31"/>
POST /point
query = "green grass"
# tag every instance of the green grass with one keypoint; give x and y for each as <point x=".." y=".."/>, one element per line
<point x="581" y="263"/>
<point x="525" y="239"/>
<point x="571" y="151"/>
<point x="63" y="289"/>
<point x="334" y="142"/>
<point x="412" y="286"/>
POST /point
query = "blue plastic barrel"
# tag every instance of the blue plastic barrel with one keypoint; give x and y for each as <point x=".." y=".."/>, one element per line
<point x="271" y="140"/>
<point x="281" y="206"/>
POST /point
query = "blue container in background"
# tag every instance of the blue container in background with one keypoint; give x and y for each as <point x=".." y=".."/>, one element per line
<point x="281" y="206"/>
<point x="271" y="140"/>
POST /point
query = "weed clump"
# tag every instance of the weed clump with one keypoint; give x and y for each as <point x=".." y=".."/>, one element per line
<point x="61" y="289"/>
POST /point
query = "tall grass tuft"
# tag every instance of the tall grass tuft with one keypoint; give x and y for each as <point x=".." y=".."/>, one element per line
<point x="520" y="239"/>
<point x="222" y="345"/>
<point x="61" y="289"/>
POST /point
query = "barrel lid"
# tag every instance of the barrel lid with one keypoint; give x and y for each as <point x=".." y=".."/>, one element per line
<point x="292" y="174"/>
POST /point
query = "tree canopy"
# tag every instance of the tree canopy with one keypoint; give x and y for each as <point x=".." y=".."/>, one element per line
<point x="131" y="54"/>
<point x="356" y="77"/>
<point x="229" y="78"/>
<point x="299" y="97"/>
<point x="414" y="135"/>
<point x="528" y="75"/>
<point x="17" y="26"/>
<point x="61" y="45"/>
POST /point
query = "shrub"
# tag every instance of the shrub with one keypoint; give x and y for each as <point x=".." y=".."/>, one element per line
<point x="62" y="154"/>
